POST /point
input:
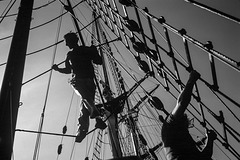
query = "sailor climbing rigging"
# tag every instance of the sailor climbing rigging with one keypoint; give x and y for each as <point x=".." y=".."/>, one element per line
<point x="178" y="143"/>
<point x="79" y="63"/>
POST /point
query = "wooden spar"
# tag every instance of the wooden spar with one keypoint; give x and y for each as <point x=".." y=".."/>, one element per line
<point x="12" y="80"/>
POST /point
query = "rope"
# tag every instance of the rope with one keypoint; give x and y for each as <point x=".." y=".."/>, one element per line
<point x="68" y="113"/>
<point x="47" y="47"/>
<point x="7" y="10"/>
<point x="37" y="145"/>
<point x="44" y="23"/>
<point x="36" y="8"/>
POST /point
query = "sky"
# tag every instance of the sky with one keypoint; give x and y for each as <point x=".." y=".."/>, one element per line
<point x="61" y="102"/>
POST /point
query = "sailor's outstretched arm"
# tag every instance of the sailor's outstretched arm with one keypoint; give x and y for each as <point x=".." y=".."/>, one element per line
<point x="66" y="69"/>
<point x="185" y="96"/>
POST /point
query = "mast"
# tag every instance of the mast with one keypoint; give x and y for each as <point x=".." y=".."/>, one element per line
<point x="112" y="120"/>
<point x="12" y="81"/>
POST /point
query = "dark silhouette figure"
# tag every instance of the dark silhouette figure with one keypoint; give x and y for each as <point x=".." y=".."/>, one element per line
<point x="178" y="143"/>
<point x="79" y="63"/>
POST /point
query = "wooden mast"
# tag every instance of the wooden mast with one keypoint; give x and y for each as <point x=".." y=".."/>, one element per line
<point x="112" y="120"/>
<point x="12" y="80"/>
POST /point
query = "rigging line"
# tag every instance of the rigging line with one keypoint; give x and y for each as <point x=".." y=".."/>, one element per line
<point x="228" y="61"/>
<point x="147" y="116"/>
<point x="3" y="64"/>
<point x="91" y="142"/>
<point x="225" y="105"/>
<point x="37" y="145"/>
<point x="75" y="122"/>
<point x="47" y="133"/>
<point x="68" y="113"/>
<point x="40" y="74"/>
<point x="154" y="118"/>
<point x="149" y="135"/>
<point x="174" y="49"/>
<point x="158" y="46"/>
<point x="55" y="43"/>
<point x="119" y="52"/>
<point x="148" y="127"/>
<point x="43" y="23"/>
<point x="44" y="5"/>
<point x="82" y="13"/>
<point x="6" y="37"/>
<point x="70" y="106"/>
<point x="7" y="11"/>
<point x="51" y="69"/>
<point x="68" y="10"/>
<point x="85" y="20"/>
<point x="9" y="15"/>
<point x="145" y="90"/>
<point x="144" y="13"/>
<point x="123" y="67"/>
<point x="210" y="111"/>
<point x="38" y="25"/>
<point x="86" y="148"/>
<point x="104" y="148"/>
<point x="215" y="11"/>
<point x="72" y="151"/>
<point x="88" y="30"/>
<point x="148" y="107"/>
<point x="36" y="8"/>
<point x="42" y="49"/>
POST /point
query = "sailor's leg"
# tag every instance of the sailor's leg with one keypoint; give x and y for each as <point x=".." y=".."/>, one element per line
<point x="89" y="96"/>
<point x="83" y="125"/>
<point x="86" y="87"/>
<point x="185" y="96"/>
<point x="84" y="118"/>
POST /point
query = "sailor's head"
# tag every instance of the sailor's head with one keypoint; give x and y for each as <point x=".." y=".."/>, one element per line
<point x="71" y="39"/>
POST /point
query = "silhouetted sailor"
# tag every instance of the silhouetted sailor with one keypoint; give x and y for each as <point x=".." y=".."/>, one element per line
<point x="79" y="63"/>
<point x="178" y="143"/>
